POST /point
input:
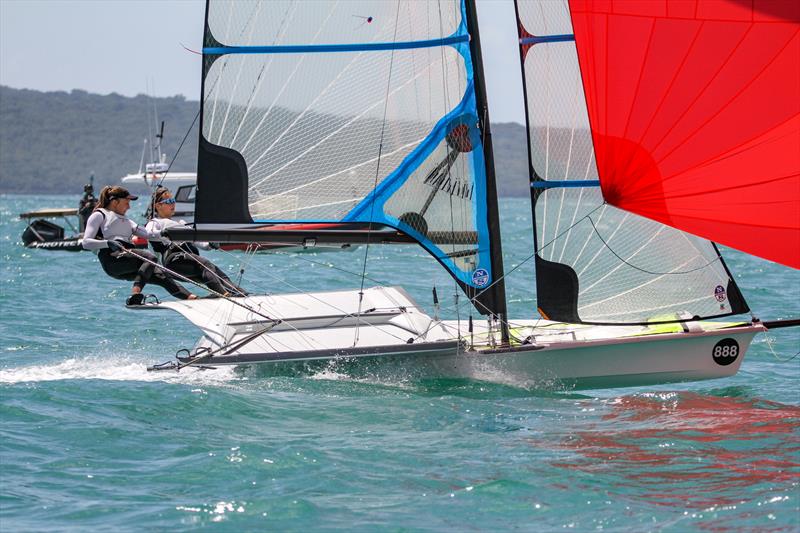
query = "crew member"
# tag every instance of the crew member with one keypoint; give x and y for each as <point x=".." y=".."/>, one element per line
<point x="184" y="257"/>
<point x="109" y="232"/>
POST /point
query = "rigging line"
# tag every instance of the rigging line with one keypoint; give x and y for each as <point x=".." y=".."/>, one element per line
<point x="184" y="278"/>
<point x="640" y="287"/>
<point x="643" y="310"/>
<point x="531" y="256"/>
<point x="620" y="223"/>
<point x="693" y="243"/>
<point x="608" y="273"/>
<point x="228" y="313"/>
<point x="187" y="252"/>
<point x="329" y="265"/>
<point x="554" y="239"/>
<point x="377" y="173"/>
<point x="642" y="269"/>
<point x="769" y="340"/>
<point x="179" y="149"/>
<point x="589" y="234"/>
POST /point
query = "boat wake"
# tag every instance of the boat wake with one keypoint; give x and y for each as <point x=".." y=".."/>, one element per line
<point x="115" y="368"/>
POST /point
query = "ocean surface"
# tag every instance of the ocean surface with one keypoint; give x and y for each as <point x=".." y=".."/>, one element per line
<point x="91" y="441"/>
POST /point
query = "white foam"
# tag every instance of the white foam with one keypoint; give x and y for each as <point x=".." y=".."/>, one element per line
<point x="114" y="368"/>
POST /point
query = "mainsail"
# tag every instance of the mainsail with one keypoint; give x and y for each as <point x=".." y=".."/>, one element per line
<point x="595" y="262"/>
<point x="352" y="112"/>
<point x="695" y="114"/>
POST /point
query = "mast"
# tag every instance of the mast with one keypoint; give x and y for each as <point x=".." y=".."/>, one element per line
<point x="494" y="297"/>
<point x="532" y="176"/>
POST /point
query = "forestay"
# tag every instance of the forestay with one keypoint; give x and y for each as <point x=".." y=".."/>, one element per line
<point x="347" y="112"/>
<point x="596" y="263"/>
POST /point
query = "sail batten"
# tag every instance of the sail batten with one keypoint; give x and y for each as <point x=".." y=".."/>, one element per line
<point x="328" y="48"/>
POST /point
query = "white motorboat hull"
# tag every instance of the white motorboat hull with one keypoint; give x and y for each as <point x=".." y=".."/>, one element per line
<point x="390" y="337"/>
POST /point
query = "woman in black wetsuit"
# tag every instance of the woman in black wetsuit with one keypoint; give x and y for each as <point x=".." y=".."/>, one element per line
<point x="109" y="232"/>
<point x="184" y="257"/>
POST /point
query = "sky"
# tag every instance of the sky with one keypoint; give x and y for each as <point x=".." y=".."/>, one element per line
<point x="137" y="47"/>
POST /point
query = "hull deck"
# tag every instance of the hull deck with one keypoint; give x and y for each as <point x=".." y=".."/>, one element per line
<point x="392" y="337"/>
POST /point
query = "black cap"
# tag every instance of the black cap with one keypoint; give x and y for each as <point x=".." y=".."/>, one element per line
<point x="122" y="194"/>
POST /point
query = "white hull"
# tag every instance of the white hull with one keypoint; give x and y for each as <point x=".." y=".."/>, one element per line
<point x="327" y="330"/>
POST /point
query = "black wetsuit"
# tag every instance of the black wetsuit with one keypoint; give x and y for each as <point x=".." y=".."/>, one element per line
<point x="123" y="265"/>
<point x="184" y="258"/>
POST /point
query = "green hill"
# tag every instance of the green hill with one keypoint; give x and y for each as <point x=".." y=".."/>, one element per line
<point x="50" y="142"/>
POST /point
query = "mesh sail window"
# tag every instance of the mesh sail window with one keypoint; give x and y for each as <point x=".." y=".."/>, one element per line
<point x="346" y="112"/>
<point x="596" y="263"/>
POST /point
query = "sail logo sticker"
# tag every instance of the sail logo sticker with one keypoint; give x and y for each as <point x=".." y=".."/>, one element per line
<point x="719" y="293"/>
<point x="725" y="352"/>
<point x="480" y="277"/>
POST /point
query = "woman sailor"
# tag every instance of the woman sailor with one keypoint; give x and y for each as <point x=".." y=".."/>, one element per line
<point x="184" y="257"/>
<point x="109" y="232"/>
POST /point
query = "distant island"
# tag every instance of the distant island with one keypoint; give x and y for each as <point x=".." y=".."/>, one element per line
<point x="50" y="142"/>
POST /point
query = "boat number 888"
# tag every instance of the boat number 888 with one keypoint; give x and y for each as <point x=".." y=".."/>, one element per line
<point x="725" y="351"/>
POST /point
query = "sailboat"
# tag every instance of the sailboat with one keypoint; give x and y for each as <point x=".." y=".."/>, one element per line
<point x="367" y="122"/>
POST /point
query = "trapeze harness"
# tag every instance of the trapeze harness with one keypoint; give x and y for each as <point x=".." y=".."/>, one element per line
<point x="184" y="258"/>
<point x="105" y="225"/>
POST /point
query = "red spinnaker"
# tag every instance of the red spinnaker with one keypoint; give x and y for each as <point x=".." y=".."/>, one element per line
<point x="694" y="107"/>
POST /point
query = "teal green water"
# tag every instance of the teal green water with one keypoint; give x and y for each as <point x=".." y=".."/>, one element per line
<point x="90" y="440"/>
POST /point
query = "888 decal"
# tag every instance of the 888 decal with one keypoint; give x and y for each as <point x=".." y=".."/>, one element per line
<point x="725" y="352"/>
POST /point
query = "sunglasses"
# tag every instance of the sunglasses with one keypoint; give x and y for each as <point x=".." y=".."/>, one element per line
<point x="168" y="201"/>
